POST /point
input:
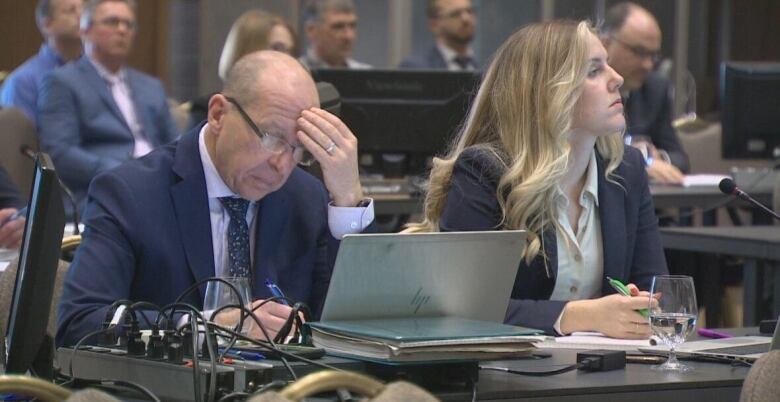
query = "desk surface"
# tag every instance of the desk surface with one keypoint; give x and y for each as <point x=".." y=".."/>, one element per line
<point x="759" y="242"/>
<point x="709" y="382"/>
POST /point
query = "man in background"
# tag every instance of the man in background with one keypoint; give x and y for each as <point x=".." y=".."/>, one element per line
<point x="331" y="26"/>
<point x="97" y="112"/>
<point x="452" y="23"/>
<point x="58" y="21"/>
<point x="632" y="38"/>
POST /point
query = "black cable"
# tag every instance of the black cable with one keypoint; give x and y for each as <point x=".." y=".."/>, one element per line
<point x="120" y="383"/>
<point x="281" y="352"/>
<point x="259" y="323"/>
<point x="195" y="362"/>
<point x="273" y="384"/>
<point x="582" y="364"/>
<point x="78" y="345"/>
<point x="142" y="304"/>
<point x="234" y="395"/>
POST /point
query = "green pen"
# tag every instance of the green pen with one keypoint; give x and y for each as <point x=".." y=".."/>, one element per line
<point x="623" y="290"/>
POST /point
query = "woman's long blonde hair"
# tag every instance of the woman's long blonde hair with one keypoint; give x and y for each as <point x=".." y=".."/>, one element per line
<point x="248" y="34"/>
<point x="522" y="114"/>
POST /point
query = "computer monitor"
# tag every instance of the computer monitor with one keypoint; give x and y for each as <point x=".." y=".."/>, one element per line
<point x="749" y="93"/>
<point x="26" y="340"/>
<point x="402" y="111"/>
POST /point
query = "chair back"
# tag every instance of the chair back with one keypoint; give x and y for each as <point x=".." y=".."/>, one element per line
<point x="7" y="283"/>
<point x="17" y="130"/>
<point x="761" y="384"/>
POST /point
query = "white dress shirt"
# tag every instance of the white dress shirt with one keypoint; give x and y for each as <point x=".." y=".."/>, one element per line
<point x="341" y="221"/>
<point x="580" y="253"/>
<point x="117" y="84"/>
<point x="449" y="56"/>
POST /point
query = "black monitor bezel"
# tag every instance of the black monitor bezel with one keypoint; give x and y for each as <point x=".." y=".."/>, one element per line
<point x="38" y="260"/>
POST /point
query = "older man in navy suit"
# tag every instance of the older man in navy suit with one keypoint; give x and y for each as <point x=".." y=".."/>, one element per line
<point x="95" y="113"/>
<point x="453" y="24"/>
<point x="226" y="199"/>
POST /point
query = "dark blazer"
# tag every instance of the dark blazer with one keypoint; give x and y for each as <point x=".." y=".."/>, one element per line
<point x="10" y="197"/>
<point x="649" y="112"/>
<point x="432" y="59"/>
<point x="632" y="246"/>
<point x="148" y="237"/>
<point x="82" y="128"/>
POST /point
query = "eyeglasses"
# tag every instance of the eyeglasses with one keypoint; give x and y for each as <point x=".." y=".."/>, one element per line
<point x="115" y="22"/>
<point x="640" y="51"/>
<point x="274" y="143"/>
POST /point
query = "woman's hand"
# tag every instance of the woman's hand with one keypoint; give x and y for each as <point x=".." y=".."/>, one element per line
<point x="616" y="316"/>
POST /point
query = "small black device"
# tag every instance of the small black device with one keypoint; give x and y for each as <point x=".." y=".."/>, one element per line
<point x="27" y="344"/>
<point x="601" y="360"/>
<point x="749" y="115"/>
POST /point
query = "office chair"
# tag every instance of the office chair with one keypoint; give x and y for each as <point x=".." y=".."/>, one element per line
<point x="324" y="381"/>
<point x="17" y="130"/>
<point x="761" y="384"/>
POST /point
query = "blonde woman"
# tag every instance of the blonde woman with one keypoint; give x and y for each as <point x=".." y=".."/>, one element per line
<point x="256" y="30"/>
<point x="542" y="150"/>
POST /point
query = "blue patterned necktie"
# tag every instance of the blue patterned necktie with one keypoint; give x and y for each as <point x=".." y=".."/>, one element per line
<point x="238" y="236"/>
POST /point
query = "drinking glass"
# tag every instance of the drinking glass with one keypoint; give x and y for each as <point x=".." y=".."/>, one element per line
<point x="673" y="319"/>
<point x="218" y="294"/>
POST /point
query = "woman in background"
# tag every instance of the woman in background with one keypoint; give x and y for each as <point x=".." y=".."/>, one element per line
<point x="542" y="150"/>
<point x="254" y="30"/>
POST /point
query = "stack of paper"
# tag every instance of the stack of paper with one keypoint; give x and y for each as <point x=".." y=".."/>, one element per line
<point x="592" y="340"/>
<point x="423" y="339"/>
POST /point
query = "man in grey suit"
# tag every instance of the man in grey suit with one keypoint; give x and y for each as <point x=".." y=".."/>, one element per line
<point x="453" y="24"/>
<point x="96" y="113"/>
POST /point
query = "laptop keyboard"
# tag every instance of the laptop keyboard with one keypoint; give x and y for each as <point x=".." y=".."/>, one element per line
<point x="740" y="350"/>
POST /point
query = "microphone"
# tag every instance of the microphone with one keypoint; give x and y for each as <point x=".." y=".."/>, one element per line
<point x="727" y="186"/>
<point x="29" y="152"/>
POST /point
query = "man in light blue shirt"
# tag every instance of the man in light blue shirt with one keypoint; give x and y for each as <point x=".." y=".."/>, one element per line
<point x="58" y="21"/>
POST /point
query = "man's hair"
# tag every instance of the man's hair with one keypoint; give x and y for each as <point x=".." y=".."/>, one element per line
<point x="315" y="9"/>
<point x="44" y="9"/>
<point x="91" y="5"/>
<point x="432" y="9"/>
<point x="616" y="16"/>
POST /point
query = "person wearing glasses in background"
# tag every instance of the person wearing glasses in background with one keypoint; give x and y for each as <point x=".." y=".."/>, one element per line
<point x="632" y="38"/>
<point x="97" y="112"/>
<point x="254" y="30"/>
<point x="227" y="199"/>
<point x="453" y="24"/>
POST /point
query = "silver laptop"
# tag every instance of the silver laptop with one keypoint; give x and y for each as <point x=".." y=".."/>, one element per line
<point x="743" y="348"/>
<point x="462" y="274"/>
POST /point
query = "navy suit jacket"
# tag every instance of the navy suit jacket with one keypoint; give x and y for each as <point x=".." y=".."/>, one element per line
<point x="82" y="128"/>
<point x="432" y="59"/>
<point x="148" y="237"/>
<point x="649" y="112"/>
<point x="631" y="244"/>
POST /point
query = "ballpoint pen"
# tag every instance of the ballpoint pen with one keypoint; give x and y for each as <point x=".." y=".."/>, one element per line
<point x="16" y="215"/>
<point x="623" y="290"/>
<point x="275" y="291"/>
<point x="243" y="354"/>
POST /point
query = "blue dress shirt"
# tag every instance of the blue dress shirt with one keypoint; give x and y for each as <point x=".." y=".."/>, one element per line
<point x="20" y="89"/>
